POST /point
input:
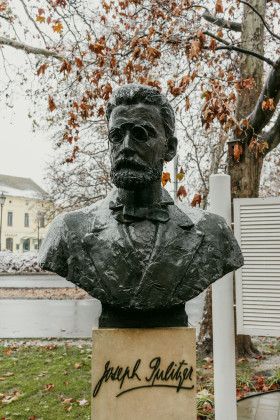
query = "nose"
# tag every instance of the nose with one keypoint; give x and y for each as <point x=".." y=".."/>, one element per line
<point x="127" y="143"/>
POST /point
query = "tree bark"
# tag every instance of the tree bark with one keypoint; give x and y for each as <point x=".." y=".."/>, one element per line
<point x="29" y="49"/>
<point x="245" y="174"/>
<point x="205" y="338"/>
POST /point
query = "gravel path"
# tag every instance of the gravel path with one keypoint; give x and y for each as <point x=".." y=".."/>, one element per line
<point x="58" y="294"/>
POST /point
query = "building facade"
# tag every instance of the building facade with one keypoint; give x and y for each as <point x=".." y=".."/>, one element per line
<point x="25" y="214"/>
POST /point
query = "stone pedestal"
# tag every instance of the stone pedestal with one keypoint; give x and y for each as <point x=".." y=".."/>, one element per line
<point x="144" y="374"/>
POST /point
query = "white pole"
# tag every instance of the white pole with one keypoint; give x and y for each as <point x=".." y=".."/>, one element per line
<point x="175" y="172"/>
<point x="223" y="315"/>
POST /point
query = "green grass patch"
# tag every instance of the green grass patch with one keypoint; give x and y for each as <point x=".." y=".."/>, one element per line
<point x="51" y="380"/>
<point x="44" y="382"/>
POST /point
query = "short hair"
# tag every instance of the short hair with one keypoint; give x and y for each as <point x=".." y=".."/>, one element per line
<point x="135" y="94"/>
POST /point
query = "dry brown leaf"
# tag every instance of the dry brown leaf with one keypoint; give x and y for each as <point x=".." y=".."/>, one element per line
<point x="219" y="7"/>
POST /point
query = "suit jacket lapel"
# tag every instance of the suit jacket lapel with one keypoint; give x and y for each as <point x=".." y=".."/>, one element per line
<point x="113" y="255"/>
<point x="173" y="252"/>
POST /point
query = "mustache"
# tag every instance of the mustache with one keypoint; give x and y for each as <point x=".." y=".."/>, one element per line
<point x="129" y="163"/>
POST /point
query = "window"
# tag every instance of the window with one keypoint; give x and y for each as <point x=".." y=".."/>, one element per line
<point x="26" y="219"/>
<point x="10" y="218"/>
<point x="36" y="244"/>
<point x="9" y="244"/>
<point x="42" y="222"/>
<point x="17" y="247"/>
<point x="26" y="245"/>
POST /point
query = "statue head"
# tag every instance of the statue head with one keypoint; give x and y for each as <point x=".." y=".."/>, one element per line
<point x="141" y="125"/>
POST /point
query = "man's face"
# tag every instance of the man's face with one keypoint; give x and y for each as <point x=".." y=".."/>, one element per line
<point x="137" y="145"/>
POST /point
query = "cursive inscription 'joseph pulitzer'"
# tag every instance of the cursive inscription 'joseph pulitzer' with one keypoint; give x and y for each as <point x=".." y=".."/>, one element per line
<point x="175" y="374"/>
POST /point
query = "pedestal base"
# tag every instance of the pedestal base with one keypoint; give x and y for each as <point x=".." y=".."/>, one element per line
<point x="120" y="318"/>
<point x="144" y="374"/>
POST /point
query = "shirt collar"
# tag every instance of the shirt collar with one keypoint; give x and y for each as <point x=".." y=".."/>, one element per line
<point x="157" y="213"/>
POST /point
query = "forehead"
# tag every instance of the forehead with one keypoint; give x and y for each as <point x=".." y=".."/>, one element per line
<point x="136" y="114"/>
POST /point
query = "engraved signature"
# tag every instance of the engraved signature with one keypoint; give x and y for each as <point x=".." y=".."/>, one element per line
<point x="175" y="372"/>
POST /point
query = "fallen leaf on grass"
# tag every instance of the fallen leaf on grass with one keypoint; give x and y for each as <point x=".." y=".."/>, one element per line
<point x="8" y="352"/>
<point x="83" y="403"/>
<point x="43" y="372"/>
<point x="68" y="407"/>
<point x="273" y="387"/>
<point x="208" y="359"/>
<point x="77" y="365"/>
<point x="65" y="383"/>
<point x="50" y="347"/>
<point x="8" y="374"/>
<point x="207" y="367"/>
<point x="243" y="360"/>
<point x="260" y="381"/>
<point x="47" y="387"/>
<point x="8" y="399"/>
<point x="67" y="400"/>
<point x="65" y="372"/>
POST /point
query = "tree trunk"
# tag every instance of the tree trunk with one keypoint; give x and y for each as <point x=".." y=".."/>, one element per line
<point x="205" y="338"/>
<point x="245" y="174"/>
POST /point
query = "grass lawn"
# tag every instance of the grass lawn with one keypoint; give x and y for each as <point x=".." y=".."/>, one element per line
<point x="51" y="379"/>
<point x="48" y="381"/>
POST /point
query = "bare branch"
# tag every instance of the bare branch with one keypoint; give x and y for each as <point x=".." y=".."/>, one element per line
<point x="231" y="47"/>
<point x="33" y="21"/>
<point x="261" y="17"/>
<point x="248" y="52"/>
<point x="4" y="17"/>
<point x="28" y="48"/>
<point x="260" y="117"/>
<point x="222" y="23"/>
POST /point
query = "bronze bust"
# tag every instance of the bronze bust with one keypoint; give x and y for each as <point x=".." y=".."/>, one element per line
<point x="135" y="250"/>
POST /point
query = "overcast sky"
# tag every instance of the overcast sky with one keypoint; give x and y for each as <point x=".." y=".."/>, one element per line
<point x="23" y="153"/>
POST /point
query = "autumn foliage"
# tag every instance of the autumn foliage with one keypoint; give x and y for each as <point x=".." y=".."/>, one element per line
<point x="140" y="42"/>
<point x="187" y="50"/>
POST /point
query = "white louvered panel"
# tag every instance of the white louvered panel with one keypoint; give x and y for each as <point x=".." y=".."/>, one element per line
<point x="257" y="229"/>
<point x="266" y="222"/>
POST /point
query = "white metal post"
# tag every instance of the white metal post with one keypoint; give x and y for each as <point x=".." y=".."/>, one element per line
<point x="223" y="315"/>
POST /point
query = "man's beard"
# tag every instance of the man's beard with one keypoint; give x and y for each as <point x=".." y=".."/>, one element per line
<point x="130" y="174"/>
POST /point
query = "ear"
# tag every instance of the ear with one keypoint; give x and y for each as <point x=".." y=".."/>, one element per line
<point x="171" y="149"/>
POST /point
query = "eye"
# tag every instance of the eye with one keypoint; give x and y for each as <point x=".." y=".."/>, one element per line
<point x="139" y="133"/>
<point x="151" y="131"/>
<point x="116" y="135"/>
